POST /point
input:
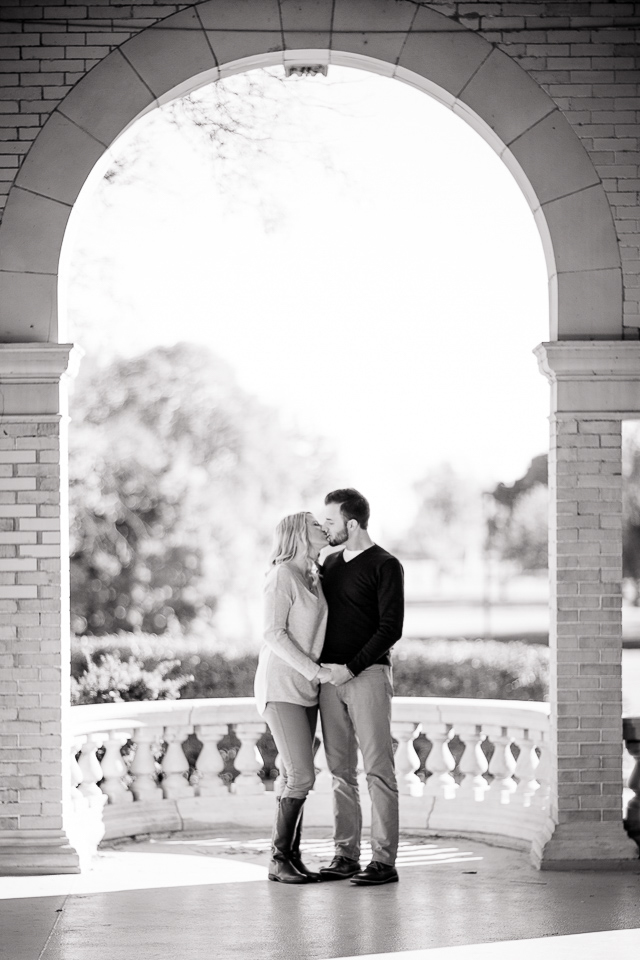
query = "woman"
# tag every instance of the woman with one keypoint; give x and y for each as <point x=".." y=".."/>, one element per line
<point x="289" y="676"/>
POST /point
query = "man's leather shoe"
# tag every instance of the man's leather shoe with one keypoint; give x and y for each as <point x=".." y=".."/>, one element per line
<point x="340" y="868"/>
<point x="375" y="874"/>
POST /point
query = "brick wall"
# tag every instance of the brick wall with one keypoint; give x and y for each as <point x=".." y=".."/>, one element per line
<point x="584" y="54"/>
<point x="32" y="685"/>
<point x="586" y="493"/>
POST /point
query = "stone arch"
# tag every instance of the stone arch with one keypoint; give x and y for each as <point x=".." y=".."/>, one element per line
<point x="401" y="40"/>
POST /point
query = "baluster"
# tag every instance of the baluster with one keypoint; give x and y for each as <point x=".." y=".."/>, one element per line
<point x="144" y="767"/>
<point x="279" y="782"/>
<point x="632" y="815"/>
<point x="324" y="780"/>
<point x="248" y="760"/>
<point x="114" y="769"/>
<point x="91" y="770"/>
<point x="407" y="760"/>
<point x="541" y="797"/>
<point x="440" y="763"/>
<point x="210" y="764"/>
<point x="526" y="767"/>
<point x="78" y="801"/>
<point x="473" y="762"/>
<point x="175" y="766"/>
<point x="503" y="765"/>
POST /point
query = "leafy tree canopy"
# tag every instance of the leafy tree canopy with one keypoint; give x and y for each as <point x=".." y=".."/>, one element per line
<point x="176" y="478"/>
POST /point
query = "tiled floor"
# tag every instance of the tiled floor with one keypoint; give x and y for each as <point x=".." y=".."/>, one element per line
<point x="209" y="899"/>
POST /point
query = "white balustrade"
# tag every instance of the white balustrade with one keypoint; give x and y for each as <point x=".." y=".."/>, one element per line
<point x="175" y="766"/>
<point x="210" y="764"/>
<point x="507" y="796"/>
<point x="248" y="761"/>
<point x="144" y="767"/>
<point x="473" y="763"/>
<point x="91" y="769"/>
<point x="75" y="776"/>
<point x="114" y="769"/>
<point x="440" y="762"/>
<point x="406" y="759"/>
<point x="526" y="768"/>
<point x="502" y="767"/>
<point x="542" y="796"/>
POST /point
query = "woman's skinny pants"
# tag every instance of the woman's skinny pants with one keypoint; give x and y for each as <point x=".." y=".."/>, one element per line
<point x="293" y="727"/>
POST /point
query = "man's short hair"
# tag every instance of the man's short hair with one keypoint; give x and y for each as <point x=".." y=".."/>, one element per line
<point x="353" y="506"/>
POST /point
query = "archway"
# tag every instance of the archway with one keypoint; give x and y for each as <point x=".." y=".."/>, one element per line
<point x="415" y="45"/>
<point x="593" y="383"/>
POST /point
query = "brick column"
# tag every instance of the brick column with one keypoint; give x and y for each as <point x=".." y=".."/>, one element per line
<point x="34" y="612"/>
<point x="594" y="386"/>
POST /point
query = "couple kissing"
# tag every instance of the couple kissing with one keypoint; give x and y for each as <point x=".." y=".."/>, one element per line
<point x="328" y="633"/>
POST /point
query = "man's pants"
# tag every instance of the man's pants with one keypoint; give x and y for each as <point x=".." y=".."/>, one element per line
<point x="359" y="712"/>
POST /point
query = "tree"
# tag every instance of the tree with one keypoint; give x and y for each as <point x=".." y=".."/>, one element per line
<point x="519" y="528"/>
<point x="536" y="473"/>
<point x="176" y="475"/>
<point x="237" y="125"/>
<point x="525" y="537"/>
<point x="447" y="520"/>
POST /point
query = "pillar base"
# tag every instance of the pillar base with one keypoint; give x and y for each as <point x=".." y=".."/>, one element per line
<point x="587" y="846"/>
<point x="34" y="853"/>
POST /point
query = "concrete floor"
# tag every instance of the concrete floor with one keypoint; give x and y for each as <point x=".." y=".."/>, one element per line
<point x="208" y="899"/>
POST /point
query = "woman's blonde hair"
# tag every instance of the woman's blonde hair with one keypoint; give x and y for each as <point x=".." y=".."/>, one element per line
<point x="290" y="533"/>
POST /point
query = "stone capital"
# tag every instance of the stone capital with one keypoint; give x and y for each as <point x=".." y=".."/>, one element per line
<point x="30" y="377"/>
<point x="596" y="379"/>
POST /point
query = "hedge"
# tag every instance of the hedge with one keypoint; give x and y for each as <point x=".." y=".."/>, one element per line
<point x="486" y="669"/>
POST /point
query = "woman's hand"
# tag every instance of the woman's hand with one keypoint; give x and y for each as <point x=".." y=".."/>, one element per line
<point x="323" y="675"/>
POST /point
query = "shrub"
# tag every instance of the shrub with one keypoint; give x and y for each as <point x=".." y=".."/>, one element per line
<point x="110" y="679"/>
<point x="486" y="669"/>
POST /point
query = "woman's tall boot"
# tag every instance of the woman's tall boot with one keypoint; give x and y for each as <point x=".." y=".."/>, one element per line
<point x="296" y="859"/>
<point x="281" y="868"/>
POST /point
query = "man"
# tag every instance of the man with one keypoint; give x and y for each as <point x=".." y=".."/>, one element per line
<point x="364" y="588"/>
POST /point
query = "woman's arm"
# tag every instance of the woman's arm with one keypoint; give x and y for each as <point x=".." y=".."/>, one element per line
<point x="278" y="600"/>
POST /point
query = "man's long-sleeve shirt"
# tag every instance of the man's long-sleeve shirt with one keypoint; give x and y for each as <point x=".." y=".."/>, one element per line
<point x="366" y="608"/>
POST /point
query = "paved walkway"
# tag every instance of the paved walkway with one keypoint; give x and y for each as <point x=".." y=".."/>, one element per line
<point x="208" y="899"/>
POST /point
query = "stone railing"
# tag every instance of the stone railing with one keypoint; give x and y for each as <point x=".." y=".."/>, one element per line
<point x="482" y="768"/>
<point x="631" y="727"/>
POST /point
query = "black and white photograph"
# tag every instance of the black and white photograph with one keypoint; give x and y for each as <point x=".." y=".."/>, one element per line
<point x="319" y="479"/>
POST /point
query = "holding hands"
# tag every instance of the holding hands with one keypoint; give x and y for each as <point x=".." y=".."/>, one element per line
<point x="335" y="673"/>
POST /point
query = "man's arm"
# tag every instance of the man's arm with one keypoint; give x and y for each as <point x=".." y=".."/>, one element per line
<point x="391" y="611"/>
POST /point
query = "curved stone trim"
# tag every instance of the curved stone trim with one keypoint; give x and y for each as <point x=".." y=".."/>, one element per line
<point x="413" y="44"/>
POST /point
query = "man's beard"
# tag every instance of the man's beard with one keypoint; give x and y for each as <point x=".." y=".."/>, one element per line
<point x="339" y="538"/>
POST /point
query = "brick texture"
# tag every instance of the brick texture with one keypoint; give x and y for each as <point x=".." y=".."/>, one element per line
<point x="31" y="773"/>
<point x="586" y="533"/>
<point x="585" y="55"/>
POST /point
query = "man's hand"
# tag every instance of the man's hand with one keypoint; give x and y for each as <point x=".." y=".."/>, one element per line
<point x="340" y="673"/>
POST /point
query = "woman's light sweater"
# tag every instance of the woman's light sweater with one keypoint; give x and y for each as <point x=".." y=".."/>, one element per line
<point x="295" y="620"/>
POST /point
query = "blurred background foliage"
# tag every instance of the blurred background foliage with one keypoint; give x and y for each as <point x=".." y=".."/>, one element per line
<point x="440" y="668"/>
<point x="175" y="474"/>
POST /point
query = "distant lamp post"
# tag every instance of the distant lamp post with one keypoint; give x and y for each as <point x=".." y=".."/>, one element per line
<point x="305" y="69"/>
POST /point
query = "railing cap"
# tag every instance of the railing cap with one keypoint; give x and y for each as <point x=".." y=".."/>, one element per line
<point x="92" y="718"/>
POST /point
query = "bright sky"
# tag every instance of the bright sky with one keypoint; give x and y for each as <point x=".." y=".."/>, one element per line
<point x="392" y="302"/>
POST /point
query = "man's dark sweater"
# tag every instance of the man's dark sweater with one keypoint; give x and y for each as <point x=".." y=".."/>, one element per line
<point x="366" y="608"/>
